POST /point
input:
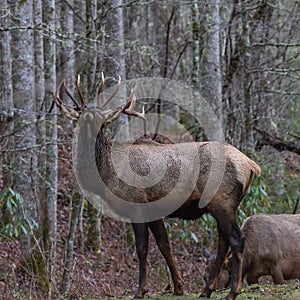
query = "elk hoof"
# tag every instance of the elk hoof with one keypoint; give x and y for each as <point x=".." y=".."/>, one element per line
<point x="206" y="293"/>
<point x="203" y="296"/>
<point x="178" y="291"/>
<point x="139" y="294"/>
<point x="231" y="296"/>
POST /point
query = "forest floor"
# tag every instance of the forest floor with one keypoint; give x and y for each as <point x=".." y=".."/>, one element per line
<point x="255" y="292"/>
<point x="261" y="291"/>
<point x="113" y="272"/>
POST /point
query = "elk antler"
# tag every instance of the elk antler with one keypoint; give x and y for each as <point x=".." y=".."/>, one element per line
<point x="130" y="110"/>
<point x="79" y="91"/>
<point x="100" y="89"/>
<point x="72" y="113"/>
<point x="101" y="85"/>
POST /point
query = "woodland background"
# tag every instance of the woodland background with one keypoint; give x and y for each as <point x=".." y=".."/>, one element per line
<point x="242" y="56"/>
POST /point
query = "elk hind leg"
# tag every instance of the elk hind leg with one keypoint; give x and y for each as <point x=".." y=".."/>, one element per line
<point x="223" y="245"/>
<point x="236" y="242"/>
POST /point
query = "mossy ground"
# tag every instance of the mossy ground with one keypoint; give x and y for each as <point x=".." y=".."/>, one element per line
<point x="253" y="292"/>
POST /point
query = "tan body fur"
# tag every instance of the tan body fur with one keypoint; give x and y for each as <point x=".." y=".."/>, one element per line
<point x="271" y="247"/>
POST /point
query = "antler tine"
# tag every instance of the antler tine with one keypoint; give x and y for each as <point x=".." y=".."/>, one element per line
<point x="62" y="105"/>
<point x="56" y="98"/>
<point x="132" y="91"/>
<point x="70" y="111"/>
<point x="71" y="97"/>
<point x="114" y="93"/>
<point x="130" y="110"/>
<point x="100" y="88"/>
<point x="79" y="91"/>
<point x="102" y="83"/>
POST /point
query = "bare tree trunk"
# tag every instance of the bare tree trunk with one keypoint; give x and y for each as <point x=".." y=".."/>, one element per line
<point x="39" y="95"/>
<point x="247" y="137"/>
<point x="211" y="83"/>
<point x="159" y="33"/>
<point x="196" y="48"/>
<point x="80" y="239"/>
<point x="24" y="105"/>
<point x="93" y="240"/>
<point x="67" y="62"/>
<point x="132" y="27"/>
<point x="67" y="58"/>
<point x="196" y="62"/>
<point x="39" y="260"/>
<point x="115" y="55"/>
<point x="79" y="27"/>
<point x="92" y="53"/>
<point x="6" y="99"/>
<point x="75" y="211"/>
<point x="50" y="222"/>
<point x="115" y="52"/>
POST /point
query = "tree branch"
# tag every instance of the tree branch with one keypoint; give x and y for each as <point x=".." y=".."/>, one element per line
<point x="276" y="142"/>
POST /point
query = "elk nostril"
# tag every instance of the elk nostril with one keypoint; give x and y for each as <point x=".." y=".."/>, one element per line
<point x="88" y="116"/>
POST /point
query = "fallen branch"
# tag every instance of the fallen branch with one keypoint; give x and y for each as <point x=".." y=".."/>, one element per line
<point x="276" y="142"/>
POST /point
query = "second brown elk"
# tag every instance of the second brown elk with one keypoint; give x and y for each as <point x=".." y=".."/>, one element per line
<point x="271" y="247"/>
<point x="238" y="174"/>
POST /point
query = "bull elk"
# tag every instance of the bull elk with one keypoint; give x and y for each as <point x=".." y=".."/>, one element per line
<point x="238" y="175"/>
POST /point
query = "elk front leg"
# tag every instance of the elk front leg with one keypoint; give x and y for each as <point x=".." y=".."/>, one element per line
<point x="276" y="273"/>
<point x="141" y="241"/>
<point x="160" y="234"/>
<point x="252" y="279"/>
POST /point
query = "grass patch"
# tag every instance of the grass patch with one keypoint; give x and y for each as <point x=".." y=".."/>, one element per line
<point x="253" y="292"/>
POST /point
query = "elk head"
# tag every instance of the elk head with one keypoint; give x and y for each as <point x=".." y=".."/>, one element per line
<point x="81" y="107"/>
<point x="92" y="118"/>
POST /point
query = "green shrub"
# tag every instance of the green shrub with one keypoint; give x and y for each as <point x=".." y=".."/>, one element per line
<point x="13" y="219"/>
<point x="255" y="201"/>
